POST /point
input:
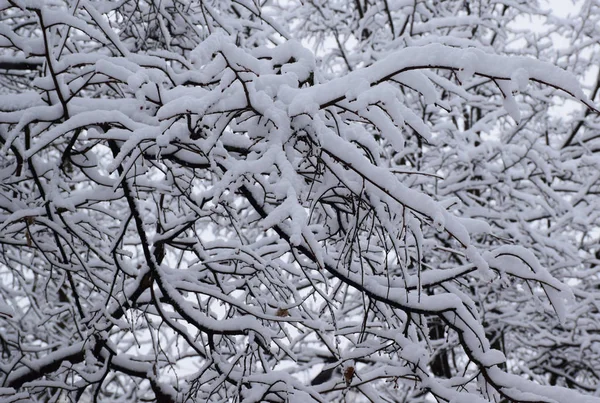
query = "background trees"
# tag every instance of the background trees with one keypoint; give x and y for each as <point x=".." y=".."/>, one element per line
<point x="236" y="200"/>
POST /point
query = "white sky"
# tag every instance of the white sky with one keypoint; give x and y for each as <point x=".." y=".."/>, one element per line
<point x="562" y="8"/>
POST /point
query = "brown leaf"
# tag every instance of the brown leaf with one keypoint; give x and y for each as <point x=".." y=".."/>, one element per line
<point x="348" y="375"/>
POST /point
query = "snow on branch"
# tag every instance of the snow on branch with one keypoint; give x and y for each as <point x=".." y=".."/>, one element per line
<point x="322" y="201"/>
